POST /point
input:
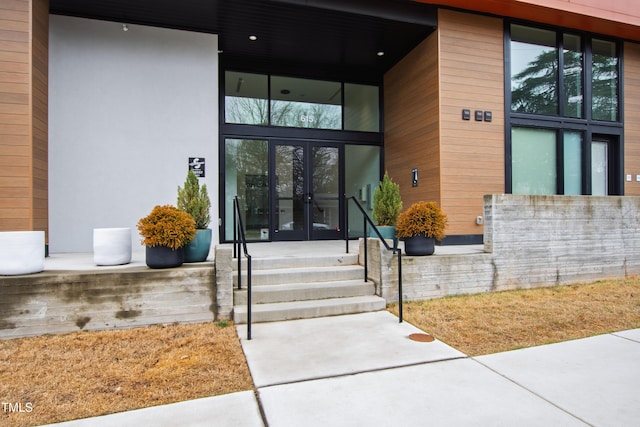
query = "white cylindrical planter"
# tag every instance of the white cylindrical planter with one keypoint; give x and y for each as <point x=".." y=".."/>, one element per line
<point x="21" y="252"/>
<point x="111" y="246"/>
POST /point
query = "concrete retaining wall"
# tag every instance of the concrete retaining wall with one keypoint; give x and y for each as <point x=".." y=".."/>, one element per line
<point x="530" y="241"/>
<point x="59" y="302"/>
<point x="561" y="239"/>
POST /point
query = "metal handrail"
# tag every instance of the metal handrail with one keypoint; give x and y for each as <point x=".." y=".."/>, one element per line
<point x="240" y="242"/>
<point x="368" y="221"/>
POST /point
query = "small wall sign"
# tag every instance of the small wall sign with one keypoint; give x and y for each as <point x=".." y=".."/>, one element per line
<point x="196" y="164"/>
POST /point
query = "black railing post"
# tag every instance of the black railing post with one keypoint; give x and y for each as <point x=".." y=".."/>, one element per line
<point x="368" y="222"/>
<point x="241" y="240"/>
<point x="239" y="259"/>
<point x="366" y="258"/>
<point x="346" y="223"/>
<point x="400" y="285"/>
<point x="248" y="297"/>
<point x="235" y="229"/>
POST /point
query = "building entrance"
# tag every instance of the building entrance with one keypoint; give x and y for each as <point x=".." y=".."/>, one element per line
<point x="306" y="188"/>
<point x="292" y="189"/>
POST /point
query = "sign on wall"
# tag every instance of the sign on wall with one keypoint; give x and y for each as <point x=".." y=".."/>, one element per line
<point x="196" y="164"/>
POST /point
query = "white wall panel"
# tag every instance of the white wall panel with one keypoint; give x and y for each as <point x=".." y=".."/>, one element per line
<point x="127" y="110"/>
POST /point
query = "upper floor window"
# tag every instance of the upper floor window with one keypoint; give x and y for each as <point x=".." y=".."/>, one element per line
<point x="548" y="74"/>
<point x="604" y="81"/>
<point x="257" y="99"/>
<point x="534" y="71"/>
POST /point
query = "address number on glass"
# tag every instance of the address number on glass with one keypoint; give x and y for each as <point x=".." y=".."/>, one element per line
<point x="307" y="118"/>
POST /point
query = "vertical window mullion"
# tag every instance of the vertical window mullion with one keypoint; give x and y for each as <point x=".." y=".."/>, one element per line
<point x="342" y="109"/>
<point x="269" y="100"/>
<point x="588" y="79"/>
<point x="507" y="109"/>
<point x="587" y="187"/>
<point x="560" y="77"/>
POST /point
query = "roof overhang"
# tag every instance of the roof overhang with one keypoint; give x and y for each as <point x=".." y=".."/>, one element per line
<point x="333" y="35"/>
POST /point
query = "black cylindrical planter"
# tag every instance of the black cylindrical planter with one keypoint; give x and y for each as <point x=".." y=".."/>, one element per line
<point x="164" y="257"/>
<point x="419" y="245"/>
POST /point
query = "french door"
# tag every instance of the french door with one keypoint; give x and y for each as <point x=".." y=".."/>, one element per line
<point x="306" y="188"/>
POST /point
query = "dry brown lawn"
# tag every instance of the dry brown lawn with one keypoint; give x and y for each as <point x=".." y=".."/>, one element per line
<point x="85" y="374"/>
<point x="502" y="321"/>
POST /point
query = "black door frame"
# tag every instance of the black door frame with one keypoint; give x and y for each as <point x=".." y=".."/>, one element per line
<point x="309" y="231"/>
<point x="615" y="159"/>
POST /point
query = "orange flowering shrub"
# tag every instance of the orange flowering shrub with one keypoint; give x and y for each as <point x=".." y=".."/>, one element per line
<point x="167" y="226"/>
<point x="422" y="219"/>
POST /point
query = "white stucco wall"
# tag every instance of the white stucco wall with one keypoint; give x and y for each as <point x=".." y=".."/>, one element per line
<point x="126" y="111"/>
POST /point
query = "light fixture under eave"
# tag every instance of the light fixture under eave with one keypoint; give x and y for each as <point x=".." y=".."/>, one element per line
<point x="125" y="27"/>
<point x="253" y="37"/>
<point x="380" y="53"/>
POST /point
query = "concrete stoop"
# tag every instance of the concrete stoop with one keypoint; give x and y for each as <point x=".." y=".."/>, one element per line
<point x="290" y="288"/>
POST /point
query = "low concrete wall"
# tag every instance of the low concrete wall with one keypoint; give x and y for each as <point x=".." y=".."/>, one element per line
<point x="224" y="281"/>
<point x="530" y="241"/>
<point x="562" y="239"/>
<point x="58" y="302"/>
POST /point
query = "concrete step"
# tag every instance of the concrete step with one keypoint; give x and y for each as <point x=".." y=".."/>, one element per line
<point x="304" y="291"/>
<point x="281" y="276"/>
<point x="297" y="261"/>
<point x="308" y="309"/>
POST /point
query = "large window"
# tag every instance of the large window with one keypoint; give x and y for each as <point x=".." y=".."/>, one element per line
<point x="534" y="71"/>
<point x="246" y="163"/>
<point x="538" y="88"/>
<point x="534" y="161"/>
<point x="573" y="143"/>
<point x="573" y="75"/>
<point x="303" y="103"/>
<point x="604" y="81"/>
<point x="361" y="108"/>
<point x="546" y="161"/>
<point x="257" y="99"/>
<point x="246" y="98"/>
<point x="562" y="87"/>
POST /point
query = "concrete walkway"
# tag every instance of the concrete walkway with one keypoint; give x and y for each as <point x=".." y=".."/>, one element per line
<point x="363" y="370"/>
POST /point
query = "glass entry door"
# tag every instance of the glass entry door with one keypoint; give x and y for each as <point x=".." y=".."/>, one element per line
<point x="306" y="191"/>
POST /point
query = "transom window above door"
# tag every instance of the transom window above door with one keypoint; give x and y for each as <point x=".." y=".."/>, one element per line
<point x="259" y="99"/>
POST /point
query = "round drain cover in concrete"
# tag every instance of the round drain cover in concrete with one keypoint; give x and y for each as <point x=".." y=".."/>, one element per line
<point x="421" y="337"/>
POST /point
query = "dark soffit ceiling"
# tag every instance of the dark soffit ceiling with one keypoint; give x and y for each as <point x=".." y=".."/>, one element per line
<point x="332" y="34"/>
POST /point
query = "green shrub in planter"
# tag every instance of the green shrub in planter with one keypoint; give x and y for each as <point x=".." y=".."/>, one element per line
<point x="194" y="200"/>
<point x="387" y="203"/>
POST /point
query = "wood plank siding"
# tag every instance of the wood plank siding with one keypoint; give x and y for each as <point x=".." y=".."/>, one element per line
<point x="24" y="34"/>
<point x="458" y="67"/>
<point x="411" y="122"/>
<point x="472" y="152"/>
<point x="632" y="117"/>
